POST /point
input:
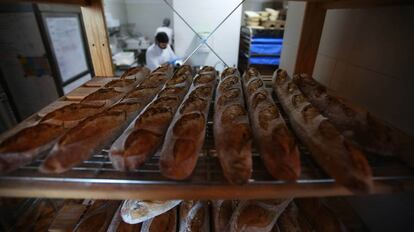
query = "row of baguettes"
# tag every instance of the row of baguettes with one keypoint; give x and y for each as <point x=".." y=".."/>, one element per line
<point x="276" y="144"/>
<point x="45" y="131"/>
<point x="367" y="132"/>
<point x="298" y="215"/>
<point x="145" y="134"/>
<point x="334" y="153"/>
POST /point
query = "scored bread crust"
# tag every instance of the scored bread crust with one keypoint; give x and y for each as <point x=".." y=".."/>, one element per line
<point x="185" y="135"/>
<point x="257" y="216"/>
<point x="194" y="216"/>
<point x="332" y="151"/>
<point x="94" y="132"/>
<point x="369" y="133"/>
<point x="276" y="145"/>
<point x="165" y="222"/>
<point x="222" y="210"/>
<point x="232" y="133"/>
<point x="144" y="135"/>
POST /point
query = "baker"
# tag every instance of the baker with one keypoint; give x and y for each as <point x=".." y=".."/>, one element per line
<point x="160" y="52"/>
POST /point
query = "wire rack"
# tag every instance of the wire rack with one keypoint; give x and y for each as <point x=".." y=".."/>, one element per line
<point x="97" y="179"/>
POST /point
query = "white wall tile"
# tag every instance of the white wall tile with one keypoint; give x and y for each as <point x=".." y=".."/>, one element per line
<point x="294" y="22"/>
<point x="324" y="67"/>
<point x="288" y="58"/>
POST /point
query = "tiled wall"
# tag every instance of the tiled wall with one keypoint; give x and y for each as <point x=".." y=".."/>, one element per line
<point x="365" y="55"/>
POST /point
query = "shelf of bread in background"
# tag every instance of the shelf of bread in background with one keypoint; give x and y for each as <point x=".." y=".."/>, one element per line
<point x="186" y="135"/>
<point x="269" y="19"/>
<point x="284" y="215"/>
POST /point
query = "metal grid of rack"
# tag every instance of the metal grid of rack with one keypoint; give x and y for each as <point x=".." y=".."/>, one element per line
<point x="96" y="178"/>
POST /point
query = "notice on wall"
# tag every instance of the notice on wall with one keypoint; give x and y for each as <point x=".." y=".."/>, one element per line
<point x="65" y="35"/>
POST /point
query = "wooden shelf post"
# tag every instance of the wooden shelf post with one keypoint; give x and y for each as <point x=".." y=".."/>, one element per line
<point x="310" y="37"/>
<point x="95" y="27"/>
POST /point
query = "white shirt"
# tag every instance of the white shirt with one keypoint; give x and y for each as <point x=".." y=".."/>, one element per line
<point x="167" y="31"/>
<point x="156" y="56"/>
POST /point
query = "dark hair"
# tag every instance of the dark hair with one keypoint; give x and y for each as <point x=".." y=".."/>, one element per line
<point x="161" y="37"/>
<point x="166" y="22"/>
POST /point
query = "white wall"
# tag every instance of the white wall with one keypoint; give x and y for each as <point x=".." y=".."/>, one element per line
<point x="147" y="15"/>
<point x="205" y="16"/>
<point x="117" y="9"/>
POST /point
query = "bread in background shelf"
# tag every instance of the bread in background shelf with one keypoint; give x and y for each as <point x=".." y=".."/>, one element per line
<point x="337" y="156"/>
<point x="232" y="133"/>
<point x="276" y="144"/>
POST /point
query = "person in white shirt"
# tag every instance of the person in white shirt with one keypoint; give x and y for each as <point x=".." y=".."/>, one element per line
<point x="166" y="28"/>
<point x="160" y="52"/>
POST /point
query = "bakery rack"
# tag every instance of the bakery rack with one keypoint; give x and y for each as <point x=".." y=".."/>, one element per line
<point x="97" y="179"/>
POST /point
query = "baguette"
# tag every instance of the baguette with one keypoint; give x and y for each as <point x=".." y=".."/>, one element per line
<point x="98" y="216"/>
<point x="276" y="144"/>
<point x="332" y="151"/>
<point x="232" y="134"/>
<point x="71" y="115"/>
<point x="117" y="225"/>
<point x="194" y="216"/>
<point x="257" y="216"/>
<point x="135" y="211"/>
<point x="166" y="222"/>
<point x="366" y="131"/>
<point x="27" y="144"/>
<point x="96" y="131"/>
<point x="222" y="212"/>
<point x="319" y="215"/>
<point x="145" y="134"/>
<point x="104" y="94"/>
<point x="291" y="220"/>
<point x="185" y="135"/>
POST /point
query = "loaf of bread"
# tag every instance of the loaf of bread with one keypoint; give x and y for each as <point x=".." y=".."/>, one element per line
<point x="194" y="217"/>
<point x="257" y="216"/>
<point x="166" y="222"/>
<point x="332" y="151"/>
<point x="136" y="211"/>
<point x="291" y="220"/>
<point x="145" y="134"/>
<point x="319" y="215"/>
<point x="93" y="133"/>
<point x="71" y="115"/>
<point x="131" y="78"/>
<point x="275" y="143"/>
<point x="27" y="144"/>
<point x="366" y="131"/>
<point x="98" y="216"/>
<point x="104" y="94"/>
<point x="232" y="133"/>
<point x="222" y="210"/>
<point x="185" y="135"/>
<point x="136" y="72"/>
<point x="118" y="225"/>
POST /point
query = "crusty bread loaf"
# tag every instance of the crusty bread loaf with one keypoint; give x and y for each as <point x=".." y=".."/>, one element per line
<point x="194" y="217"/>
<point x="291" y="220"/>
<point x="96" y="131"/>
<point x="98" y="216"/>
<point x="276" y="145"/>
<point x="319" y="215"/>
<point x="145" y="134"/>
<point x="166" y="222"/>
<point x="24" y="146"/>
<point x="222" y="212"/>
<point x="71" y="115"/>
<point x="332" y="151"/>
<point x="137" y="211"/>
<point x="368" y="132"/>
<point x="232" y="133"/>
<point x="185" y="135"/>
<point x="118" y="225"/>
<point x="257" y="216"/>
